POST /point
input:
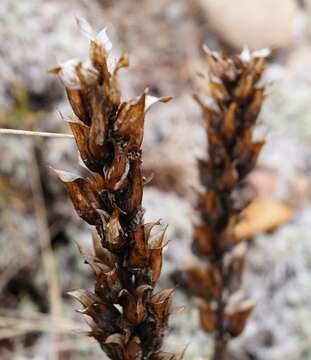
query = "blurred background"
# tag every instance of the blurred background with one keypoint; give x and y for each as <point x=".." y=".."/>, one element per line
<point x="39" y="259"/>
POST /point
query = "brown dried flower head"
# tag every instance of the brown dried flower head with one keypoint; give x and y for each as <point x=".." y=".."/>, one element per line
<point x="236" y="96"/>
<point x="125" y="315"/>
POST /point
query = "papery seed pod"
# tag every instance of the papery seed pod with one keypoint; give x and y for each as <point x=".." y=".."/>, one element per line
<point x="230" y="116"/>
<point x="125" y="316"/>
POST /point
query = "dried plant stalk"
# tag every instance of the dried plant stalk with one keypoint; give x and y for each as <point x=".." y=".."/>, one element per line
<point x="230" y="117"/>
<point x="125" y="315"/>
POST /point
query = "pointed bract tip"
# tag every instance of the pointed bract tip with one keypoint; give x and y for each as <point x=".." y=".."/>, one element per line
<point x="85" y="27"/>
<point x="65" y="176"/>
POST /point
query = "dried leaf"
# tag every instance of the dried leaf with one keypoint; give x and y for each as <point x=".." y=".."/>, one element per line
<point x="262" y="215"/>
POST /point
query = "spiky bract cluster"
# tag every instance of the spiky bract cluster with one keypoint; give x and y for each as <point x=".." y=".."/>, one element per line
<point x="235" y="101"/>
<point x="126" y="317"/>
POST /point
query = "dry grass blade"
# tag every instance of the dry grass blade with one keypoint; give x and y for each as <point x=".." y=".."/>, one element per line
<point x="34" y="133"/>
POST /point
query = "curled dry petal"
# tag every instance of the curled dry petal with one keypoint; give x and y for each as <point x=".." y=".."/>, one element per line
<point x="149" y="226"/>
<point x="81" y="134"/>
<point x="83" y="196"/>
<point x="139" y="254"/>
<point x="205" y="283"/>
<point x="218" y="90"/>
<point x="133" y="349"/>
<point x="108" y="284"/>
<point x="211" y="114"/>
<point x="77" y="102"/>
<point x="156" y="247"/>
<point x="135" y="193"/>
<point x="86" y="298"/>
<point x="203" y="240"/>
<point x="208" y="317"/>
<point x="98" y="130"/>
<point x="253" y="109"/>
<point x="115" y="93"/>
<point x="130" y="121"/>
<point x="162" y="355"/>
<point x="152" y="100"/>
<point x="102" y="253"/>
<point x="101" y="38"/>
<point x="113" y="230"/>
<point x="75" y="74"/>
<point x="229" y="124"/>
<point x="115" y="346"/>
<point x="159" y="304"/>
<point x="134" y="304"/>
<point x="238" y="316"/>
<point x="117" y="172"/>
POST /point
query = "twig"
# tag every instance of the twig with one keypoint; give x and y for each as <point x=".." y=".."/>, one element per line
<point x="34" y="133"/>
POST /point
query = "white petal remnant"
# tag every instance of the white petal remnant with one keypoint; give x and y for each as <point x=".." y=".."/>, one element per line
<point x="100" y="38"/>
<point x="68" y="75"/>
<point x="246" y="55"/>
<point x="75" y="73"/>
<point x="262" y="53"/>
<point x="65" y="176"/>
<point x="151" y="100"/>
<point x="85" y="27"/>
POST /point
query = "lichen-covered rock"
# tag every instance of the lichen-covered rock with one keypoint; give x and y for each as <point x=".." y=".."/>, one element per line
<point x="34" y="34"/>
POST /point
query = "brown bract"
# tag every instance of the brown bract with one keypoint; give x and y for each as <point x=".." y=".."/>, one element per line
<point x="126" y="317"/>
<point x="236" y="97"/>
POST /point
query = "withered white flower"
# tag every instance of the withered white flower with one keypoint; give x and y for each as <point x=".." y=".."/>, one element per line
<point x="100" y="38"/>
<point x="246" y="55"/>
<point x="265" y="52"/>
<point x="68" y="72"/>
